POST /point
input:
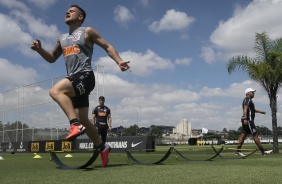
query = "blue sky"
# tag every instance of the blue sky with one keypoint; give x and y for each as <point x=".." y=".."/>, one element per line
<point x="177" y="50"/>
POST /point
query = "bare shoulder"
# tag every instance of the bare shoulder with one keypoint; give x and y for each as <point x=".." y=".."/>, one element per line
<point x="90" y="31"/>
<point x="91" y="35"/>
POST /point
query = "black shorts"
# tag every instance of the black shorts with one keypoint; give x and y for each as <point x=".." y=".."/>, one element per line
<point x="83" y="84"/>
<point x="249" y="128"/>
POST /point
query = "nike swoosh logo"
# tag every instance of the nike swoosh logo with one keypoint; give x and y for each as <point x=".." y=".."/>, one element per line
<point x="134" y="145"/>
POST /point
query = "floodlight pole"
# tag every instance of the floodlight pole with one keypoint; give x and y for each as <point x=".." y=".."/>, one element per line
<point x="3" y="120"/>
<point x="137" y="123"/>
<point x="3" y="132"/>
<point x="32" y="136"/>
<point x="22" y="114"/>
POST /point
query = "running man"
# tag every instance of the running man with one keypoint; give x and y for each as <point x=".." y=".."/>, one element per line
<point x="72" y="92"/>
<point x="248" y="124"/>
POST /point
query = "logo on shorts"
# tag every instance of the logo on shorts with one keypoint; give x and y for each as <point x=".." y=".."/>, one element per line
<point x="81" y="88"/>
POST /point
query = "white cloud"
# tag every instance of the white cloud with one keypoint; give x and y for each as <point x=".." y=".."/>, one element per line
<point x="175" y="96"/>
<point x="183" y="61"/>
<point x="11" y="34"/>
<point x="212" y="92"/>
<point x="235" y="90"/>
<point x="214" y="108"/>
<point x="43" y="3"/>
<point x="172" y="21"/>
<point x="236" y="35"/>
<point x="37" y="26"/>
<point x="122" y="15"/>
<point x="15" y="75"/>
<point x="21" y="28"/>
<point x="141" y="64"/>
<point x="208" y="54"/>
<point x="150" y="101"/>
<point x="14" y="4"/>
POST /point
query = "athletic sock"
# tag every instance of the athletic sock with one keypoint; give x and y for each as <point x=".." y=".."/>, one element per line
<point x="261" y="149"/>
<point x="75" y="120"/>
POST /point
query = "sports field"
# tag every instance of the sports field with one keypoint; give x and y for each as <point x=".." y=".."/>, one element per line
<point x="24" y="168"/>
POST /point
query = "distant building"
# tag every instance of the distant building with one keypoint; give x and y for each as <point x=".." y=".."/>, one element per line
<point x="183" y="128"/>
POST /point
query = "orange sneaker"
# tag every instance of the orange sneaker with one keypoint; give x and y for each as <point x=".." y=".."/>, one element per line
<point x="76" y="129"/>
<point x="105" y="155"/>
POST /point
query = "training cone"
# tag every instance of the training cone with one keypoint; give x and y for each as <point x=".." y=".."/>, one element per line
<point x="68" y="156"/>
<point x="37" y="156"/>
<point x="1" y="158"/>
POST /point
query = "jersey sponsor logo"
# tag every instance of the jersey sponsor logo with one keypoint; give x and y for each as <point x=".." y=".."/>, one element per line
<point x="136" y="144"/>
<point x="101" y="113"/>
<point x="71" y="50"/>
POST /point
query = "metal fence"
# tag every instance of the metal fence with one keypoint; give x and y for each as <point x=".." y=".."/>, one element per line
<point x="27" y="113"/>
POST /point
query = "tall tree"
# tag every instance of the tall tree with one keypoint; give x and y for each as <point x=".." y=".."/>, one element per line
<point x="155" y="131"/>
<point x="132" y="130"/>
<point x="266" y="69"/>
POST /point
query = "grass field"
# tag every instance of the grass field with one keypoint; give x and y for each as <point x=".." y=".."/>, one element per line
<point x="23" y="168"/>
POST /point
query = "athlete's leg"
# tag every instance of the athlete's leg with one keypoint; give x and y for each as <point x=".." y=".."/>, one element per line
<point x="257" y="140"/>
<point x="61" y="93"/>
<point x="258" y="143"/>
<point x="93" y="134"/>
<point x="91" y="130"/>
<point x="104" y="132"/>
<point x="241" y="140"/>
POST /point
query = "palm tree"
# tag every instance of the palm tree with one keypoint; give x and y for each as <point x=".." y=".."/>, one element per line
<point x="266" y="69"/>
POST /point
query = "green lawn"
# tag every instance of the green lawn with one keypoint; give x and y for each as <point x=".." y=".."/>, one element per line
<point x="23" y="168"/>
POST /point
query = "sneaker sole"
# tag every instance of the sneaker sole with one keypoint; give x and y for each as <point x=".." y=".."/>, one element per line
<point x="264" y="154"/>
<point x="74" y="137"/>
<point x="240" y="155"/>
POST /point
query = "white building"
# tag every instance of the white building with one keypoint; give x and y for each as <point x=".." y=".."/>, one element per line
<point x="183" y="128"/>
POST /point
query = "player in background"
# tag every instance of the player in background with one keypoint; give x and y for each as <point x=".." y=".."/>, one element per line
<point x="101" y="118"/>
<point x="248" y="124"/>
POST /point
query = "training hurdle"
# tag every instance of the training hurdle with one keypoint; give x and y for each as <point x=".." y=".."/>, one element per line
<point x="240" y="157"/>
<point x="130" y="157"/>
<point x="217" y="153"/>
<point x="64" y="166"/>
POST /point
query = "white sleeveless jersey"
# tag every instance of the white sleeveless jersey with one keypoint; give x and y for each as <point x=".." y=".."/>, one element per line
<point x="76" y="52"/>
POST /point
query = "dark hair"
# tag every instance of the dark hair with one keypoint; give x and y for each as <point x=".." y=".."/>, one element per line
<point x="101" y="98"/>
<point x="82" y="11"/>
